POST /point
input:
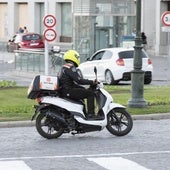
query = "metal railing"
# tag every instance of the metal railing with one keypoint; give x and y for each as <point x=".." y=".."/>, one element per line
<point x="34" y="61"/>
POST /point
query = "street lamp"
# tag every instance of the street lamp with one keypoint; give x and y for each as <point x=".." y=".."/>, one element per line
<point x="137" y="100"/>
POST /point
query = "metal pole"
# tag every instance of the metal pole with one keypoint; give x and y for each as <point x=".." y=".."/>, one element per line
<point x="95" y="36"/>
<point x="137" y="100"/>
<point x="168" y="70"/>
<point x="46" y="43"/>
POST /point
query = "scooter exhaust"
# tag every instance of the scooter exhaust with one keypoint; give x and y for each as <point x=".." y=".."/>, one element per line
<point x="57" y="117"/>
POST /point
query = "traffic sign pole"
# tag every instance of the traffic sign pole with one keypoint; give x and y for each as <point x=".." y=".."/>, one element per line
<point x="49" y="34"/>
<point x="46" y="43"/>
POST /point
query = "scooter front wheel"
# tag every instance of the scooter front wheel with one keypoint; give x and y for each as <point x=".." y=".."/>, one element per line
<point x="119" y="122"/>
<point x="48" y="127"/>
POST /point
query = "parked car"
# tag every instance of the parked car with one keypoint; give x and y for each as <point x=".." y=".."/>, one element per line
<point x="25" y="41"/>
<point x="114" y="65"/>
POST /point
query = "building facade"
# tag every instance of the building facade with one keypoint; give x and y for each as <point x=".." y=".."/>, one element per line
<point x="87" y="25"/>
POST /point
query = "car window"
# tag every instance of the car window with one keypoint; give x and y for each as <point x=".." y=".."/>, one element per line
<point x="31" y="37"/>
<point x="98" y="56"/>
<point x="107" y="55"/>
<point x="129" y="54"/>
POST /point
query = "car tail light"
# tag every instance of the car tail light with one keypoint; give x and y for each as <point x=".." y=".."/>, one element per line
<point x="149" y="61"/>
<point x="22" y="43"/>
<point x="120" y="62"/>
<point x="38" y="100"/>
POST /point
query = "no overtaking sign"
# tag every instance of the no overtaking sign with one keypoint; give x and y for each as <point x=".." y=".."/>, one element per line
<point x="50" y="34"/>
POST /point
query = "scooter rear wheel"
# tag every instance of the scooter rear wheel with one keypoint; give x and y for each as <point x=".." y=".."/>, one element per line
<point x="48" y="127"/>
<point x="119" y="122"/>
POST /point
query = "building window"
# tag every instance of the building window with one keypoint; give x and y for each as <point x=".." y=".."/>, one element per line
<point x="102" y="23"/>
<point x="66" y="23"/>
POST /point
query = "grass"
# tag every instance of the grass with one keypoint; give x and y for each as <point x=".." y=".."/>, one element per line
<point x="16" y="106"/>
<point x="157" y="98"/>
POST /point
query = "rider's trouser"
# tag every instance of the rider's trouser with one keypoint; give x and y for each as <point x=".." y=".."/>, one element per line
<point x="81" y="93"/>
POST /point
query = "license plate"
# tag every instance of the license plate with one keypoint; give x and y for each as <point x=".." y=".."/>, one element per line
<point x="33" y="44"/>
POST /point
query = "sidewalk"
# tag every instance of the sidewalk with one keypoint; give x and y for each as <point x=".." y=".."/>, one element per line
<point x="161" y="70"/>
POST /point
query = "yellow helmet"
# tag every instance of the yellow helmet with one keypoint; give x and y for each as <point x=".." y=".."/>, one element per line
<point x="72" y="55"/>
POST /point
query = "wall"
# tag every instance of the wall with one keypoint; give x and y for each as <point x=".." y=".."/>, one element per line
<point x="3" y="19"/>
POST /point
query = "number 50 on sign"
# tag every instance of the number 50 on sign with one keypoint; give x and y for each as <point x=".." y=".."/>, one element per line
<point x="166" y="18"/>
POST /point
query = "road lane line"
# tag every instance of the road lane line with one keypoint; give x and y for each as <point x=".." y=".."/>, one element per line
<point x="85" y="156"/>
<point x="117" y="163"/>
<point x="13" y="165"/>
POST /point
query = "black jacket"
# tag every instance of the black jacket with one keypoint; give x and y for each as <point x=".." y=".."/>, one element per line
<point x="69" y="77"/>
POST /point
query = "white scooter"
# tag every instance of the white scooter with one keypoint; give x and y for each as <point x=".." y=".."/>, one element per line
<point x="58" y="115"/>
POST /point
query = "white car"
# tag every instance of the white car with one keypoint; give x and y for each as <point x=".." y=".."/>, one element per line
<point x="114" y="65"/>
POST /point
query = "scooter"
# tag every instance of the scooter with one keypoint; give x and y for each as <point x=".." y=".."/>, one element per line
<point x="56" y="115"/>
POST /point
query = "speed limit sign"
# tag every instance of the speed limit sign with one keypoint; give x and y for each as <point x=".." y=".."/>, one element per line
<point x="166" y="18"/>
<point x="49" y="21"/>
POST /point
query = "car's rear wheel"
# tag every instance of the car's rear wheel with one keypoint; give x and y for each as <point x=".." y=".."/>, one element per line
<point x="109" y="78"/>
<point x="147" y="80"/>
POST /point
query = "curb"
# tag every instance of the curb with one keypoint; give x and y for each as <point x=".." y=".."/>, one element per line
<point x="11" y="124"/>
<point x="152" y="116"/>
<point x="30" y="123"/>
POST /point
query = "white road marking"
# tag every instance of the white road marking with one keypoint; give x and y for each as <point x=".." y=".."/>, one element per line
<point x="13" y="165"/>
<point x="84" y="156"/>
<point x="117" y="163"/>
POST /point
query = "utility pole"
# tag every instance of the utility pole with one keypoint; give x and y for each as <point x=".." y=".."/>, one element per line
<point x="137" y="75"/>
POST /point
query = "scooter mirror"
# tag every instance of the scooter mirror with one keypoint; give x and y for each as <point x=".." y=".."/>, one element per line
<point x="95" y="71"/>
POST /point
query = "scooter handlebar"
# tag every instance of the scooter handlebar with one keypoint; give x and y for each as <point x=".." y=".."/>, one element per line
<point x="97" y="85"/>
<point x="100" y="85"/>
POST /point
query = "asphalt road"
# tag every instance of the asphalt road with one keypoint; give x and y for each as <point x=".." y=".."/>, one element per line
<point x="146" y="147"/>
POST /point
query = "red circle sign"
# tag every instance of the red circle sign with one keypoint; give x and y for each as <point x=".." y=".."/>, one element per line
<point x="166" y="18"/>
<point x="50" y="34"/>
<point x="49" y="21"/>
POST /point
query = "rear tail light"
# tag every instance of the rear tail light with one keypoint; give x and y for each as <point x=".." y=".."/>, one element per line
<point x="120" y="62"/>
<point x="22" y="44"/>
<point x="38" y="100"/>
<point x="149" y="61"/>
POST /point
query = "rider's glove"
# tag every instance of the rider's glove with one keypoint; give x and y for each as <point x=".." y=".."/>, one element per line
<point x="94" y="85"/>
